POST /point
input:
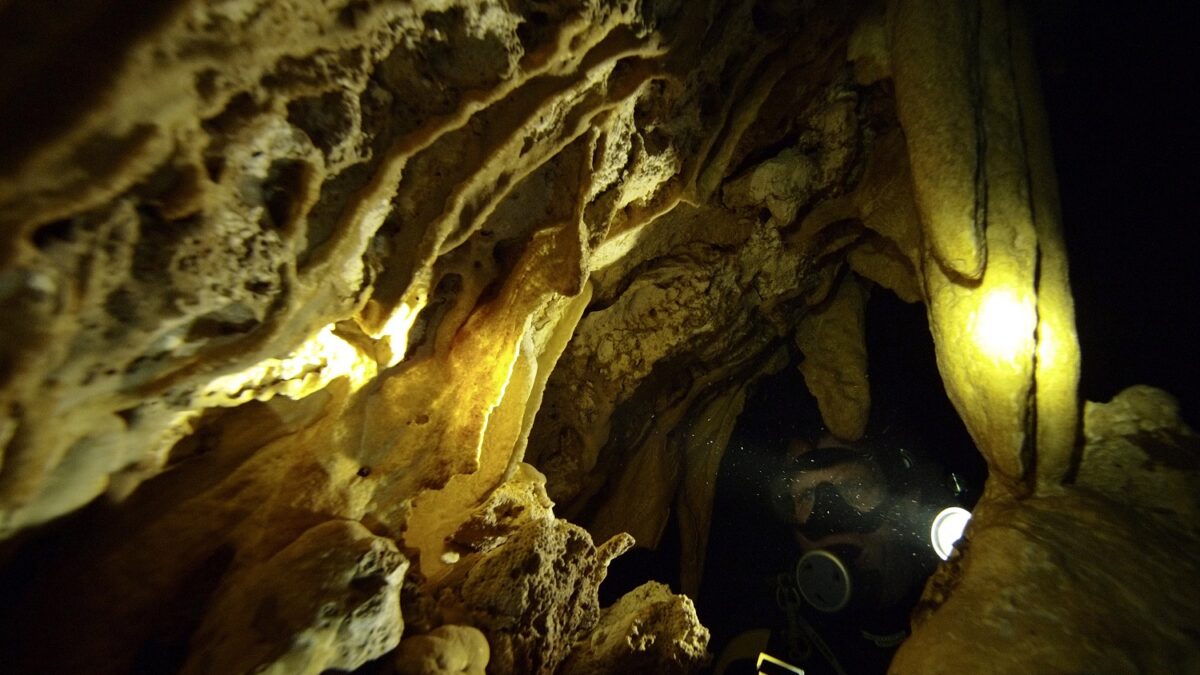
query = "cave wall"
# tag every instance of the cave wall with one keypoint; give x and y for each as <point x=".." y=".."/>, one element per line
<point x="332" y="323"/>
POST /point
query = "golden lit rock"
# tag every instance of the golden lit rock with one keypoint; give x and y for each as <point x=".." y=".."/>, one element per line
<point x="936" y="65"/>
<point x="333" y="594"/>
<point x="648" y="630"/>
<point x="360" y="334"/>
<point x="835" y="360"/>
<point x="1005" y="334"/>
<point x="445" y="649"/>
<point x="1133" y="507"/>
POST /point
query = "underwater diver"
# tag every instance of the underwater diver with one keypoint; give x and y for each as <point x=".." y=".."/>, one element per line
<point x="860" y="516"/>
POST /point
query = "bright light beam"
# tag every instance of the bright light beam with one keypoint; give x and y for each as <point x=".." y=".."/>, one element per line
<point x="947" y="529"/>
<point x="1004" y="326"/>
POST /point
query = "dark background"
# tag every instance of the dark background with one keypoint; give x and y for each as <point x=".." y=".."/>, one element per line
<point x="1119" y="79"/>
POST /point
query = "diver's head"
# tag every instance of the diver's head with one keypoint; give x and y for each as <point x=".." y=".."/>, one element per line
<point x="829" y="490"/>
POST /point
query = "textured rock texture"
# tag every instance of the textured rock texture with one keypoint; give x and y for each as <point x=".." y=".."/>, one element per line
<point x="1022" y="594"/>
<point x="649" y="630"/>
<point x="317" y="304"/>
<point x="536" y="596"/>
<point x="445" y="649"/>
<point x="332" y="598"/>
<point x="303" y="262"/>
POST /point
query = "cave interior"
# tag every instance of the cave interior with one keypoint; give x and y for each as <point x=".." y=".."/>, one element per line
<point x="532" y="336"/>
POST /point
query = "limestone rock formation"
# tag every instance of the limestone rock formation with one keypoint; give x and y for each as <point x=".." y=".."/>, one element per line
<point x="535" y="596"/>
<point x="324" y="317"/>
<point x="835" y="360"/>
<point x="649" y="630"/>
<point x="332" y="598"/>
<point x="1021" y="589"/>
<point x="444" y="650"/>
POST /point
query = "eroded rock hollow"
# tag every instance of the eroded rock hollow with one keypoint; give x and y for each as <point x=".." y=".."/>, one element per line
<point x="361" y="334"/>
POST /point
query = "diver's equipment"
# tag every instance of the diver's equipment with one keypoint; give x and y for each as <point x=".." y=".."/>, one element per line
<point x="831" y="515"/>
<point x="824" y="580"/>
<point x="864" y="557"/>
<point x="871" y="524"/>
<point x="947" y="529"/>
<point x="802" y="637"/>
<point x="769" y="665"/>
<point x="918" y="492"/>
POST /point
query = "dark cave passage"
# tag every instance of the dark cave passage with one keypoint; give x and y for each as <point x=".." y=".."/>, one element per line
<point x="751" y="545"/>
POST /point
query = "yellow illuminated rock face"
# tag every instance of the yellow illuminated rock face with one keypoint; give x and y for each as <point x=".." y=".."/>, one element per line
<point x="333" y="313"/>
<point x="832" y="340"/>
<point x="1045" y="569"/>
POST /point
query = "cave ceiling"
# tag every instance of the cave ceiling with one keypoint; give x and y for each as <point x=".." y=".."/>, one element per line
<point x="329" y="323"/>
